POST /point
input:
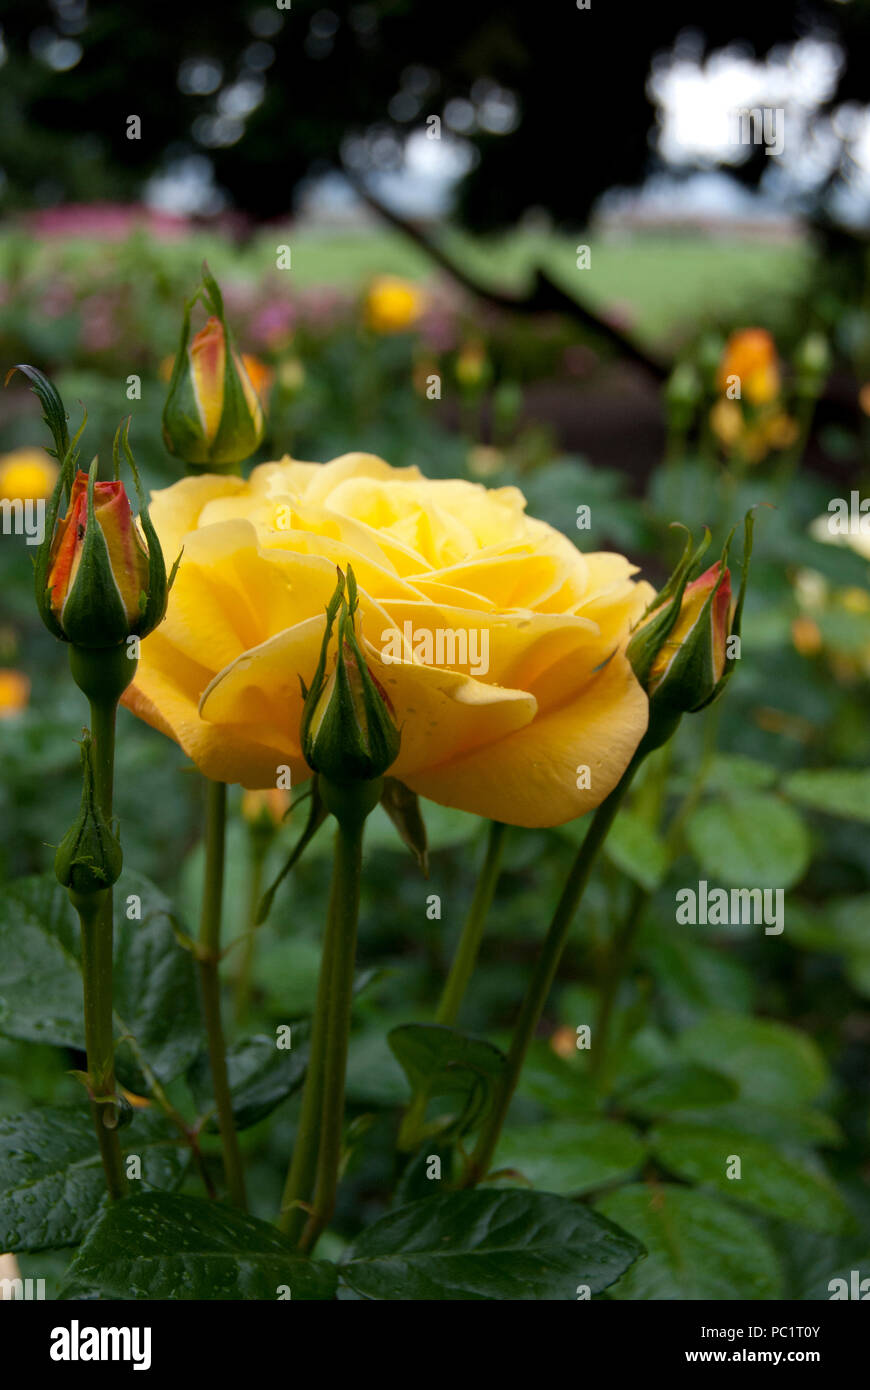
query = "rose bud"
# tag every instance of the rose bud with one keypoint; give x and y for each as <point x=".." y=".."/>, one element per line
<point x="100" y="574"/>
<point x="212" y="417"/>
<point x="348" y="732"/>
<point x="89" y="857"/>
<point x="681" y="653"/>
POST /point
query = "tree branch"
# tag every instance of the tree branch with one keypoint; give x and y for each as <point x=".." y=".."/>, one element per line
<point x="544" y="297"/>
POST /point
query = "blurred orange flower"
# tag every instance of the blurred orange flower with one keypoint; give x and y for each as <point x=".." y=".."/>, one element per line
<point x="750" y="355"/>
<point x="14" y="692"/>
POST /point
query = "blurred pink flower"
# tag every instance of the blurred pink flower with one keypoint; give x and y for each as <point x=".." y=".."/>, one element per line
<point x="105" y="221"/>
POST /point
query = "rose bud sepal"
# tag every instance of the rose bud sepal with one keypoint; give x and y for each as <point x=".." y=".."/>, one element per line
<point x="89" y="858"/>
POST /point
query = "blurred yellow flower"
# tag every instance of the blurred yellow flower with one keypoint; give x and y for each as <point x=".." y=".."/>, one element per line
<point x="755" y="438"/>
<point x="265" y="808"/>
<point x="393" y="305"/>
<point x="14" y="692"/>
<point x="28" y="474"/>
<point x="806" y="636"/>
<point x="473" y="366"/>
<point x="291" y="375"/>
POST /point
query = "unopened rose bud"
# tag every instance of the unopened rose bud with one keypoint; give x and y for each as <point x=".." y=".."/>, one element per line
<point x="212" y="417"/>
<point x="681" y="653"/>
<point x="348" y="732"/>
<point x="89" y="858"/>
<point x="695" y="646"/>
<point x="100" y="573"/>
<point x="473" y="367"/>
<point x="812" y="364"/>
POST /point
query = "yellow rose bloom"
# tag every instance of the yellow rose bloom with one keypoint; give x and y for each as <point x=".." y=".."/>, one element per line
<point x="499" y="645"/>
<point x="29" y="474"/>
<point x="393" y="305"/>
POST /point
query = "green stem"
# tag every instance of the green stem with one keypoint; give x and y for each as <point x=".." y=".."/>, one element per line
<point x="208" y="957"/>
<point x="97" y="923"/>
<point x="472" y="933"/>
<point x="461" y="970"/>
<point x="258" y="844"/>
<point x="614" y="971"/>
<point x="543" y="976"/>
<point x="343" y="915"/>
<point x="299" y="1187"/>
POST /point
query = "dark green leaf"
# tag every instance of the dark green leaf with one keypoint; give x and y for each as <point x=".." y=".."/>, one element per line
<point x="678" y="1088"/>
<point x="571" y="1156"/>
<point x="770" y="1062"/>
<point x="155" y="987"/>
<point x="503" y="1245"/>
<point x="637" y="850"/>
<point x="698" y="1247"/>
<point x="839" y="791"/>
<point x="768" y="1181"/>
<point x="261" y="1075"/>
<point x="158" y="1245"/>
<point x="53" y="1180"/>
<point x="441" y="1061"/>
<point x="756" y="841"/>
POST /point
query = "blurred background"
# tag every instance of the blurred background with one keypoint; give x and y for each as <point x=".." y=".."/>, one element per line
<point x="524" y="245"/>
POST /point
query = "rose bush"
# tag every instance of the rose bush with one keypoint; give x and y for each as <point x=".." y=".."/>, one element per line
<point x="247" y="613"/>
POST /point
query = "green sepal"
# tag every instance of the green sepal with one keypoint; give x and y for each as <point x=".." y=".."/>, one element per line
<point x="650" y="636"/>
<point x="348" y="733"/>
<point x="731" y="661"/>
<point x="403" y="808"/>
<point x="317" y="814"/>
<point x="153" y="603"/>
<point x="237" y="435"/>
<point x="54" y="414"/>
<point x="89" y="858"/>
<point x="43" y="560"/>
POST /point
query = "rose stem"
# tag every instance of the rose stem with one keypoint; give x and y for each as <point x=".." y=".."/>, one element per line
<point x="303" y="1167"/>
<point x="97" y="923"/>
<point x="615" y="967"/>
<point x="543" y="976"/>
<point x="343" y="915"/>
<point x="208" y="957"/>
<point x="462" y="968"/>
<point x="257" y="847"/>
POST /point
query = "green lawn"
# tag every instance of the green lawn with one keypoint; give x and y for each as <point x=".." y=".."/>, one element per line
<point x="658" y="282"/>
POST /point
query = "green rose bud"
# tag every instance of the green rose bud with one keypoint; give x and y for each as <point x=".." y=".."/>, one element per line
<point x="89" y="857"/>
<point x="812" y="364"/>
<point x="212" y="418"/>
<point x="348" y="731"/>
<point x="683" y="652"/>
<point x="100" y="574"/>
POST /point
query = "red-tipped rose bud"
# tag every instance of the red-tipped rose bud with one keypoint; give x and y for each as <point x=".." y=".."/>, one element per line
<point x="212" y="417"/>
<point x="95" y="591"/>
<point x="682" y="652"/>
<point x="705" y="625"/>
